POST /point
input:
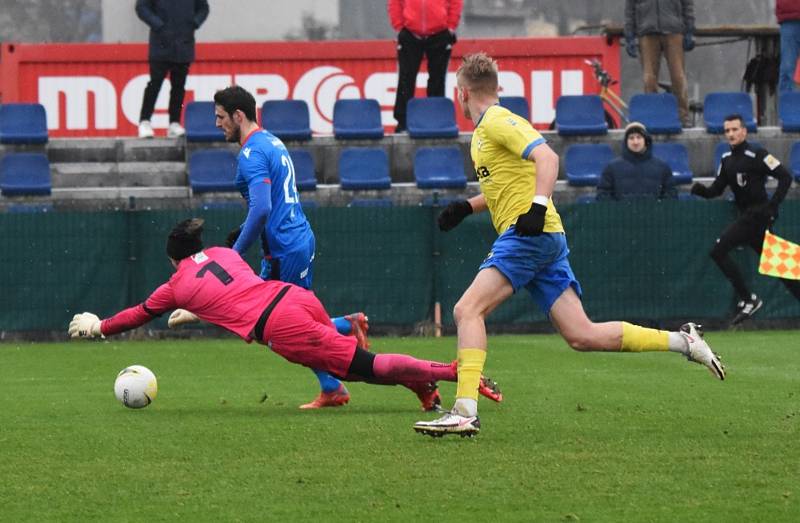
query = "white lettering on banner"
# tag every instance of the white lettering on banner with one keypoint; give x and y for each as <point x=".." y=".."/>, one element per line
<point x="203" y="86"/>
<point x="571" y="82"/>
<point x="542" y="97"/>
<point x="320" y="87"/>
<point x="263" y="87"/>
<point x="76" y="91"/>
<point x="382" y="87"/>
<point x="511" y="83"/>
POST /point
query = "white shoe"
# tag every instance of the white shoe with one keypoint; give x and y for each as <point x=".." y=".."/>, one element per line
<point x="175" y="130"/>
<point x="145" y="129"/>
<point x="700" y="352"/>
<point x="450" y="423"/>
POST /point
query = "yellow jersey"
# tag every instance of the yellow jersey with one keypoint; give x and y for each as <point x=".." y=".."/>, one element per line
<point x="500" y="147"/>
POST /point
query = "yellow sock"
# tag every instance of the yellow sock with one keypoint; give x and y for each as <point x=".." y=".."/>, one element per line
<point x="641" y="339"/>
<point x="470" y="368"/>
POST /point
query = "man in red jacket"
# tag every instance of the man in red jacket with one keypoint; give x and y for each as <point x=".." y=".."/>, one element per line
<point x="424" y="27"/>
<point x="788" y="14"/>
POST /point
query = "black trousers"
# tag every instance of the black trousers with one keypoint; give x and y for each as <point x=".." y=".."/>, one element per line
<point x="177" y="77"/>
<point x="410" y="50"/>
<point x="747" y="230"/>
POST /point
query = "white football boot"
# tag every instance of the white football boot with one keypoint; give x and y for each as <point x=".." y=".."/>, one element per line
<point x="145" y="129"/>
<point x="700" y="352"/>
<point x="175" y="130"/>
<point x="450" y="423"/>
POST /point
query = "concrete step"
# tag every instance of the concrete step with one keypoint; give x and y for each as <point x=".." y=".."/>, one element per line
<point x="79" y="150"/>
<point x="123" y="174"/>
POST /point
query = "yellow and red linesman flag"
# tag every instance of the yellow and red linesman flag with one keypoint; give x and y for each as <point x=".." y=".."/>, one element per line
<point x="779" y="258"/>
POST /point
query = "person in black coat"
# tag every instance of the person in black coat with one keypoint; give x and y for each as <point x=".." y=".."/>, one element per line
<point x="745" y="169"/>
<point x="172" y="25"/>
<point x="636" y="173"/>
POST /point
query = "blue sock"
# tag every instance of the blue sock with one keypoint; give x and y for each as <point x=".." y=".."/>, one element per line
<point x="326" y="382"/>
<point x="342" y="325"/>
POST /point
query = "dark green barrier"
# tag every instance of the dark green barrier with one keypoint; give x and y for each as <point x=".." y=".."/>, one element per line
<point x="640" y="261"/>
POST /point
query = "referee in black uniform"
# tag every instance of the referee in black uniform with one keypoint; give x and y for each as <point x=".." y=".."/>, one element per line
<point x="745" y="169"/>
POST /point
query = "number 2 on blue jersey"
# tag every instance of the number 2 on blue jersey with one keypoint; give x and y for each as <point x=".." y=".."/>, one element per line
<point x="289" y="188"/>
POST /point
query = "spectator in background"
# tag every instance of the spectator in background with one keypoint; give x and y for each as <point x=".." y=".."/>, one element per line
<point x="662" y="27"/>
<point x="745" y="169"/>
<point x="424" y="27"/>
<point x="788" y="14"/>
<point x="636" y="173"/>
<point x="172" y="25"/>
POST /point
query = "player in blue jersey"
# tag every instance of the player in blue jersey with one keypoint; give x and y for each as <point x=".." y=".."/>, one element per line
<point x="266" y="179"/>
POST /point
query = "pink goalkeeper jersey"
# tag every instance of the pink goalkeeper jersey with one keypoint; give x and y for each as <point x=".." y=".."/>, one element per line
<point x="216" y="284"/>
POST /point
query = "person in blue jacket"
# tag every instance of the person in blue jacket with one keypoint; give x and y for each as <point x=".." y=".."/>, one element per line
<point x="636" y="173"/>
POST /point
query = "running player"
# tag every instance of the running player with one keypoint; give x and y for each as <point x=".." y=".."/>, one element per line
<point x="517" y="171"/>
<point x="218" y="286"/>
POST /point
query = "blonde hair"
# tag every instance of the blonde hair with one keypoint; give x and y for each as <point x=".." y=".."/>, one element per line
<point x="478" y="72"/>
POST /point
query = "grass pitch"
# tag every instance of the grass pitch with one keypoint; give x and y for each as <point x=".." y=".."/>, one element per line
<point x="589" y="437"/>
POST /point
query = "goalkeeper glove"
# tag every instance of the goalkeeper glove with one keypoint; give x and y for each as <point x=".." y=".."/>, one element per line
<point x="532" y="222"/>
<point x="179" y="317"/>
<point x="85" y="325"/>
<point x="233" y="236"/>
<point x="453" y="214"/>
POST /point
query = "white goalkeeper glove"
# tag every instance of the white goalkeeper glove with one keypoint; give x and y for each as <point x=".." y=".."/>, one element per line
<point x="179" y="317"/>
<point x="85" y="325"/>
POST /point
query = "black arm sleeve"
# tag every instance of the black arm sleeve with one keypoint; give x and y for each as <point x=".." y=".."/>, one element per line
<point x="781" y="174"/>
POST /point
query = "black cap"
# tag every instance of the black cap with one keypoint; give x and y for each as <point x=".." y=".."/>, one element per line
<point x="185" y="240"/>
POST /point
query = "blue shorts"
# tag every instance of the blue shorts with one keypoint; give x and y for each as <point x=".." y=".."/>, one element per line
<point x="295" y="267"/>
<point x="538" y="263"/>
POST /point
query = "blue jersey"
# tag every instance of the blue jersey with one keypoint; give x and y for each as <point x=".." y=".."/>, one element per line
<point x="265" y="178"/>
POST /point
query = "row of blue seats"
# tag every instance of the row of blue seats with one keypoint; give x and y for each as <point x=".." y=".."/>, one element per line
<point x="433" y="117"/>
<point x="360" y="168"/>
<point x="584" y="114"/>
<point x="366" y="168"/>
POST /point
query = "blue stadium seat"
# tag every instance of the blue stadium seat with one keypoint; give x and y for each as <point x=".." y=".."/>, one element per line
<point x="433" y="117"/>
<point x="517" y="105"/>
<point x="584" y="163"/>
<point x="657" y="111"/>
<point x="717" y="106"/>
<point x="23" y="123"/>
<point x="305" y="176"/>
<point x="794" y="161"/>
<point x="212" y="170"/>
<point x="439" y="168"/>
<point x="370" y="202"/>
<point x="364" y="168"/>
<point x="25" y="174"/>
<point x="723" y="147"/>
<point x="789" y="111"/>
<point x="357" y="119"/>
<point x="286" y="119"/>
<point x="201" y="123"/>
<point x="677" y="157"/>
<point x="580" y="114"/>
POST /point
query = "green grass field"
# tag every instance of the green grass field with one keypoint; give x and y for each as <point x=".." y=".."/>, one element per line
<point x="588" y="437"/>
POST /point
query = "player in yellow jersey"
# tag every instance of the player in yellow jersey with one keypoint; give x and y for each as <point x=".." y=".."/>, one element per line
<point x="517" y="172"/>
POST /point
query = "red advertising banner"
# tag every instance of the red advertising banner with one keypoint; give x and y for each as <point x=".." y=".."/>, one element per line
<point x="96" y="89"/>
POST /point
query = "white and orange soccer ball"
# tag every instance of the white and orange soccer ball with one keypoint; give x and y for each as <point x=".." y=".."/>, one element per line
<point x="136" y="386"/>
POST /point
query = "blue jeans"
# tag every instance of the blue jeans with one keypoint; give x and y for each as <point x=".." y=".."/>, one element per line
<point x="790" y="47"/>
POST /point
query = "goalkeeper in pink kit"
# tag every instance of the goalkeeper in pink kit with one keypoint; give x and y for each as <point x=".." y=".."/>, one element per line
<point x="218" y="286"/>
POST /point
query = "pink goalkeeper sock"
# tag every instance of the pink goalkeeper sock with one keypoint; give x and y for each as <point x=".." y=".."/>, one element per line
<point x="402" y="368"/>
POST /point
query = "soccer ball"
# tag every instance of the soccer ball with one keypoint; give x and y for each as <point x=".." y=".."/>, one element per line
<point x="136" y="386"/>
